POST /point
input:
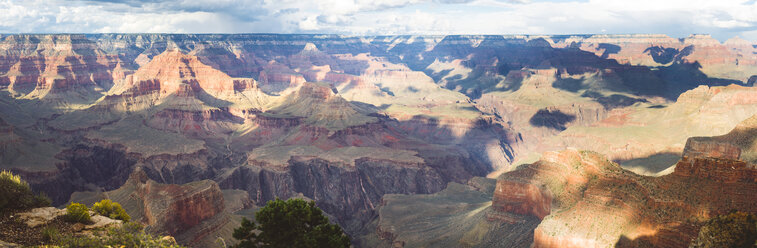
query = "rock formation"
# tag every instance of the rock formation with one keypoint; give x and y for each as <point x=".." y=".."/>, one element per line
<point x="45" y="66"/>
<point x="170" y="208"/>
<point x="585" y="200"/>
<point x="346" y="120"/>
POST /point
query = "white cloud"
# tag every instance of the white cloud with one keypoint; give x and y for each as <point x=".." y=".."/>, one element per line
<point x="723" y="18"/>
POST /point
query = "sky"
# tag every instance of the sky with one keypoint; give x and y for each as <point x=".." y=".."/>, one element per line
<point x="722" y="19"/>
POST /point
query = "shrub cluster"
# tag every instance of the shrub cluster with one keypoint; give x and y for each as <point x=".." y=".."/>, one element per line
<point x="77" y="212"/>
<point x="50" y="234"/>
<point x="736" y="229"/>
<point x="111" y="209"/>
<point x="127" y="235"/>
<point x="15" y="194"/>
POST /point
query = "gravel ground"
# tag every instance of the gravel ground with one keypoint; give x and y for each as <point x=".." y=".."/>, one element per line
<point x="13" y="230"/>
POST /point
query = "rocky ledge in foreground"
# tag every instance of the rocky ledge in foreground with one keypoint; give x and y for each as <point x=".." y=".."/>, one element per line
<point x="47" y="226"/>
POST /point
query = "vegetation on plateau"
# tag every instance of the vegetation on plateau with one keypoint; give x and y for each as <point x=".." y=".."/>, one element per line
<point x="111" y="209"/>
<point x="736" y="229"/>
<point x="129" y="234"/>
<point x="77" y="212"/>
<point x="15" y="194"/>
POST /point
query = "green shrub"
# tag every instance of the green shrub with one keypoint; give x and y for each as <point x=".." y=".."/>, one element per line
<point x="736" y="229"/>
<point x="133" y="235"/>
<point x="127" y="235"/>
<point x="77" y="212"/>
<point x="50" y="234"/>
<point x="111" y="209"/>
<point x="15" y="194"/>
<point x="41" y="200"/>
<point x="80" y="242"/>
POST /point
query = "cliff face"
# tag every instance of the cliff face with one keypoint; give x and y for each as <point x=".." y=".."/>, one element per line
<point x="350" y="193"/>
<point x="185" y="208"/>
<point x="43" y="66"/>
<point x="703" y="149"/>
<point x="171" y="66"/>
<point x="189" y="211"/>
<point x="586" y="201"/>
<point x="522" y="198"/>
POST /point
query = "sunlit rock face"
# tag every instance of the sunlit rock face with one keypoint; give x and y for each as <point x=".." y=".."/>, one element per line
<point x="698" y="149"/>
<point x="346" y="120"/>
<point x="522" y="198"/>
<point x="55" y="68"/>
<point x="192" y="212"/>
<point x="592" y="202"/>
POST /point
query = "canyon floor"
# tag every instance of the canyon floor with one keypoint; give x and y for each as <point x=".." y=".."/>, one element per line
<point x="404" y="141"/>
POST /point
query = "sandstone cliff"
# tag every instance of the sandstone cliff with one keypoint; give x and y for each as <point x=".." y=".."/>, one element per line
<point x="190" y="212"/>
<point x="585" y="200"/>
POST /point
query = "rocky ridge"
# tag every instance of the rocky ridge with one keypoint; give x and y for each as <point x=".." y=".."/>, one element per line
<point x="171" y="209"/>
<point x="586" y="200"/>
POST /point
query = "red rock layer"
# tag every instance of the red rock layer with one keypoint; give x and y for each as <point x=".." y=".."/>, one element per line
<point x="522" y="198"/>
<point x="173" y="67"/>
<point x="54" y="64"/>
<point x="171" y="208"/>
<point x="709" y="149"/>
<point x="285" y="79"/>
<point x="716" y="169"/>
<point x="210" y="122"/>
<point x="588" y="201"/>
<point x="176" y="208"/>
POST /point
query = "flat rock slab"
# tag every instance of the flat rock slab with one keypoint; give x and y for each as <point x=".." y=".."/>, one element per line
<point x="6" y="244"/>
<point x="100" y="221"/>
<point x="41" y="216"/>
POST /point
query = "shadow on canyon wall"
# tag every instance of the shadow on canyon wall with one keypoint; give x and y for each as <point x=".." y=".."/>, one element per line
<point x="511" y="54"/>
<point x="653" y="164"/>
<point x="676" y="235"/>
<point x="491" y="58"/>
<point x="351" y="193"/>
<point x="554" y="119"/>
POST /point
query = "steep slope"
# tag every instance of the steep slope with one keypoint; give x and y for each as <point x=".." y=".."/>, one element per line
<point x="585" y="200"/>
<point x="185" y="78"/>
<point x="63" y="70"/>
<point x="650" y="130"/>
<point x="459" y="215"/>
<point x="212" y="126"/>
<point x="191" y="212"/>
<point x="739" y="143"/>
<point x="318" y="105"/>
<point x="578" y="198"/>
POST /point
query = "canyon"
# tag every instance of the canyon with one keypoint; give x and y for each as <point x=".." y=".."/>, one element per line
<point x="584" y="140"/>
<point x="578" y="198"/>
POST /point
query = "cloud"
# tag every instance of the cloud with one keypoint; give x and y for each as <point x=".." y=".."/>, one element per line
<point x="724" y="18"/>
